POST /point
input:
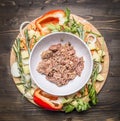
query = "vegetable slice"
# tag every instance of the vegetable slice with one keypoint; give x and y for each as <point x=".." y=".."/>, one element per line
<point x="15" y="70"/>
<point x="100" y="68"/>
<point x="96" y="56"/>
<point x="45" y="102"/>
<point x="52" y="17"/>
<point x="25" y="61"/>
<point x="91" y="38"/>
<point x="24" y="54"/>
<point x="26" y="69"/>
<point x="101" y="53"/>
<point x="100" y="77"/>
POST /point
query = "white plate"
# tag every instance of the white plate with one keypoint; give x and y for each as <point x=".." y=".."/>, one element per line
<point x="81" y="50"/>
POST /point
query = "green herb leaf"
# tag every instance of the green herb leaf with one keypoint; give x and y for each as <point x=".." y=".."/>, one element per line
<point x="68" y="108"/>
<point x="92" y="94"/>
<point x="98" y="35"/>
<point x="27" y="40"/>
<point x="20" y="83"/>
<point x="17" y="50"/>
<point x="82" y="105"/>
<point x="54" y="28"/>
<point x="95" y="71"/>
<point x="67" y="12"/>
<point x="69" y="100"/>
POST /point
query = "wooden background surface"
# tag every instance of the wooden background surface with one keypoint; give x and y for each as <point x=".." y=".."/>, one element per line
<point x="103" y="14"/>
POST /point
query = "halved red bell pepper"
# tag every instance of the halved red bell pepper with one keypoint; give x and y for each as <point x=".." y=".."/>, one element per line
<point x="51" y="17"/>
<point x="45" y="102"/>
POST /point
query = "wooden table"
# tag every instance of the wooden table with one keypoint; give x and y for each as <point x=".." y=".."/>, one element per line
<point x="103" y="14"/>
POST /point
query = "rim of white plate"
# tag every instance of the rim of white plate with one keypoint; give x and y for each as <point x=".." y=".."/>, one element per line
<point x="81" y="50"/>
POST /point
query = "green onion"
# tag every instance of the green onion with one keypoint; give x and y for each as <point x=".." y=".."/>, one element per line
<point x="98" y="35"/>
<point x="17" y="50"/>
<point x="27" y="40"/>
<point x="92" y="94"/>
<point x="68" y="108"/>
<point x="67" y="12"/>
<point x="95" y="71"/>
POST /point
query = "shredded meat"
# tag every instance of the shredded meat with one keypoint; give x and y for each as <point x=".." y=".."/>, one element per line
<point x="60" y="64"/>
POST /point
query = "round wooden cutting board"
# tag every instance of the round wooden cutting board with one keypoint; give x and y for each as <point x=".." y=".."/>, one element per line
<point x="105" y="65"/>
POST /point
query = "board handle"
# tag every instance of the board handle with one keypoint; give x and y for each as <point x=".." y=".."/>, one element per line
<point x="22" y="26"/>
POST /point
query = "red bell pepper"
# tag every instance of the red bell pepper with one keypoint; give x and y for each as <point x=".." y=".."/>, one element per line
<point x="51" y="17"/>
<point x="45" y="101"/>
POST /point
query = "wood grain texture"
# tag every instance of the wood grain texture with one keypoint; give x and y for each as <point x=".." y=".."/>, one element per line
<point x="103" y="14"/>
